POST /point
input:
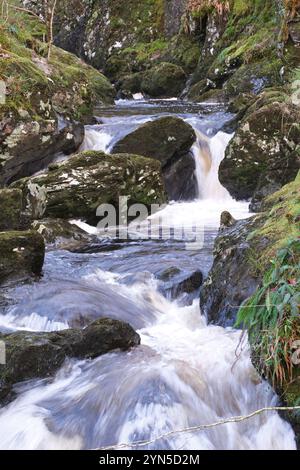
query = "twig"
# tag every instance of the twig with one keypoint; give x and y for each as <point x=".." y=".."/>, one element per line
<point x="203" y="427"/>
<point x="25" y="10"/>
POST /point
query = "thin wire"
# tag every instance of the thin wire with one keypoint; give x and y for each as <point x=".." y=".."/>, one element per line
<point x="236" y="419"/>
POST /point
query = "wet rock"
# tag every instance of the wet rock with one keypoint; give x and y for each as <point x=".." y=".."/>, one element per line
<point x="163" y="80"/>
<point x="264" y="153"/>
<point x="10" y="209"/>
<point x="40" y="355"/>
<point x="169" y="140"/>
<point x="176" y="282"/>
<point x="168" y="274"/>
<point x="81" y="184"/>
<point x="165" y="139"/>
<point x="180" y="179"/>
<point x="189" y="285"/>
<point x="32" y="146"/>
<point x="21" y="255"/>
<point x="227" y="220"/>
<point x="62" y="234"/>
<point x="232" y="279"/>
<point x="243" y="252"/>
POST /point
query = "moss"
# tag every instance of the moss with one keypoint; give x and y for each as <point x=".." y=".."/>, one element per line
<point x="21" y="255"/>
<point x="30" y="79"/>
<point x="10" y="209"/>
<point x="249" y="47"/>
<point x="282" y="224"/>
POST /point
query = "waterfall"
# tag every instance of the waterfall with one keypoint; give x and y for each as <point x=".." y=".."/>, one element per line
<point x="95" y="139"/>
<point x="208" y="154"/>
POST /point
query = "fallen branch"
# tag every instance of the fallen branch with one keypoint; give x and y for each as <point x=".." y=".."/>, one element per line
<point x="203" y="427"/>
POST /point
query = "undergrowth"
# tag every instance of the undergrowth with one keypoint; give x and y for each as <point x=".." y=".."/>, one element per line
<point x="272" y="316"/>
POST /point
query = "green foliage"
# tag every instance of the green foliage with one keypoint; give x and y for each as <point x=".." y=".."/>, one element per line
<point x="272" y="316"/>
<point x="31" y="80"/>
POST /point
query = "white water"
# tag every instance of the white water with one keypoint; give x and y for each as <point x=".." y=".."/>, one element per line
<point x="186" y="373"/>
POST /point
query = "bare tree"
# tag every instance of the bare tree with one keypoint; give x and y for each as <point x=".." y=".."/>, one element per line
<point x="49" y="13"/>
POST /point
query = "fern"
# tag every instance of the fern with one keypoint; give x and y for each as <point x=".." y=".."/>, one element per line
<point x="272" y="316"/>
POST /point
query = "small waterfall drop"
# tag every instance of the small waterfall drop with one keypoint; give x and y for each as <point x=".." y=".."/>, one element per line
<point x="95" y="139"/>
<point x="208" y="154"/>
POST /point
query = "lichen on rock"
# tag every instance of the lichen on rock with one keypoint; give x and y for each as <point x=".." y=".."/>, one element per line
<point x="78" y="186"/>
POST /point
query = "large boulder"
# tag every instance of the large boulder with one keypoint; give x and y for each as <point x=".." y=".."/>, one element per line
<point x="169" y="140"/>
<point x="40" y="355"/>
<point x="76" y="187"/>
<point x="21" y="255"/>
<point x="264" y="153"/>
<point x="163" y="80"/>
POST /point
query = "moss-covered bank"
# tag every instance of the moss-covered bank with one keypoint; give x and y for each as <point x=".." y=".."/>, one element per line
<point x="44" y="100"/>
<point x="257" y="265"/>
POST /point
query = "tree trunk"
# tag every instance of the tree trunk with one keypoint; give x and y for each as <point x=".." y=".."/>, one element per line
<point x="50" y="19"/>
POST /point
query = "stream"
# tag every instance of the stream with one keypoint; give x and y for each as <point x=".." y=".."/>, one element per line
<point x="185" y="373"/>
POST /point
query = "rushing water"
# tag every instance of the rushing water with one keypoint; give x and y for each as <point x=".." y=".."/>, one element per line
<point x="185" y="373"/>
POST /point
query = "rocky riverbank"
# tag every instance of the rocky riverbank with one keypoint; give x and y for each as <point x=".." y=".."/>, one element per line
<point x="243" y="273"/>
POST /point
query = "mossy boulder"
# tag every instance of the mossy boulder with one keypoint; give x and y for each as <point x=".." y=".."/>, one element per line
<point x="168" y="140"/>
<point x="21" y="255"/>
<point x="40" y="355"/>
<point x="253" y="78"/>
<point x="163" y="80"/>
<point x="197" y="90"/>
<point x="76" y="187"/>
<point x="165" y="139"/>
<point x="264" y="153"/>
<point x="129" y="85"/>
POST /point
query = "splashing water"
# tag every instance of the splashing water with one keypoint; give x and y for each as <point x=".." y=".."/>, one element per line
<point x="186" y="372"/>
